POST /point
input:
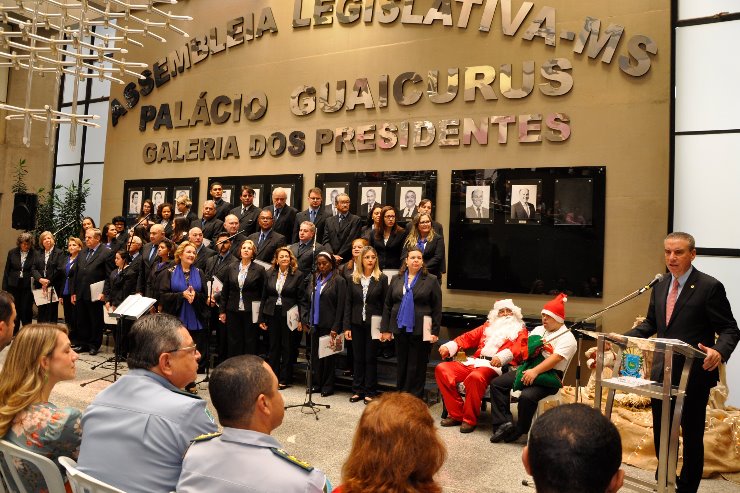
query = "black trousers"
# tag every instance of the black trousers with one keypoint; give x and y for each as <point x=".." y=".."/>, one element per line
<point x="70" y="318"/>
<point x="365" y="374"/>
<point x="23" y="306"/>
<point x="322" y="370"/>
<point x="90" y="323"/>
<point x="48" y="313"/>
<point x="692" y="429"/>
<point x="241" y="333"/>
<point x="527" y="406"/>
<point x="412" y="354"/>
<point x="200" y="338"/>
<point x="281" y="342"/>
<point x="222" y="343"/>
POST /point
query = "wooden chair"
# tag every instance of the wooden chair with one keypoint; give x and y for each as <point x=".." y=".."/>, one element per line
<point x="49" y="470"/>
<point x="84" y="483"/>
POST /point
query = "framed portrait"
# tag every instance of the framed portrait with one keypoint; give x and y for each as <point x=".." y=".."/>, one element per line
<point x="180" y="191"/>
<point x="573" y="202"/>
<point x="524" y="196"/>
<point x="478" y="203"/>
<point x="135" y="198"/>
<point x="289" y="192"/>
<point x="331" y="190"/>
<point x="370" y="194"/>
<point x="258" y="194"/>
<point x="408" y="196"/>
<point x="228" y="193"/>
<point x="158" y="197"/>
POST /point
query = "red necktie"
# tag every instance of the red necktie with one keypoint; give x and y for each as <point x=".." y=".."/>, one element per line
<point x="671" y="302"/>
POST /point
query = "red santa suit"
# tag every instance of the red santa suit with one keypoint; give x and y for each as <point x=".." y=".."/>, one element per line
<point x="504" y="340"/>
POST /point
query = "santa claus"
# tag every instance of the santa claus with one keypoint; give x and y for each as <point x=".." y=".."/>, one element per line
<point x="498" y="342"/>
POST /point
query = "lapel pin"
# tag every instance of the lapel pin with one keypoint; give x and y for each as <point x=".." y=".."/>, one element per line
<point x="692" y="286"/>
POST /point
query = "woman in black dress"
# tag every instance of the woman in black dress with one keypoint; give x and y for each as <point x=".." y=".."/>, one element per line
<point x="166" y="218"/>
<point x="388" y="241"/>
<point x="283" y="288"/>
<point x="165" y="252"/>
<point x="120" y="284"/>
<point x="366" y="292"/>
<point x="17" y="278"/>
<point x="47" y="276"/>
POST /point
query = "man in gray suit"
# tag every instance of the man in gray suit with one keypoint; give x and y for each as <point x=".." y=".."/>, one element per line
<point x="523" y="209"/>
<point x="476" y="211"/>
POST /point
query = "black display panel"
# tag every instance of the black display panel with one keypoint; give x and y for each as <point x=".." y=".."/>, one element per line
<point x="158" y="191"/>
<point x="532" y="230"/>
<point x="263" y="186"/>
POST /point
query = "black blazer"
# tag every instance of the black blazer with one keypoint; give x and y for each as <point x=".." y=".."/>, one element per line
<point x="146" y="265"/>
<point x="49" y="271"/>
<point x="427" y="302"/>
<point x="340" y="238"/>
<point x="306" y="258"/>
<point x="119" y="286"/>
<point x="321" y="217"/>
<point x="284" y="224"/>
<point x="331" y="303"/>
<point x="150" y="287"/>
<point x="701" y="310"/>
<point x="289" y="296"/>
<point x="11" y="276"/>
<point x="96" y="269"/>
<point x="220" y="271"/>
<point x="248" y="220"/>
<point x="202" y="257"/>
<point x="389" y="254"/>
<point x="251" y="291"/>
<point x="374" y="302"/>
<point x="433" y="255"/>
<point x="222" y="209"/>
<point x="65" y="278"/>
<point x="171" y="302"/>
<point x="211" y="228"/>
<point x="266" y="251"/>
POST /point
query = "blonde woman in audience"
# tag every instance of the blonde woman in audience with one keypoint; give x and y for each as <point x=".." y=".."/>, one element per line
<point x="39" y="358"/>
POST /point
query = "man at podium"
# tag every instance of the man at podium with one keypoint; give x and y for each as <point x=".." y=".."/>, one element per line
<point x="691" y="306"/>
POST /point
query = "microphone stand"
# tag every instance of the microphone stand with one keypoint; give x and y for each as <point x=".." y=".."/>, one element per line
<point x="73" y="221"/>
<point x="207" y="355"/>
<point x="577" y="327"/>
<point x="312" y="406"/>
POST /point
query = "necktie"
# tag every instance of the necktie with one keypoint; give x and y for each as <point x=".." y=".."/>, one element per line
<point x="151" y="253"/>
<point x="301" y="248"/>
<point x="341" y="218"/>
<point x="277" y="214"/>
<point x="478" y="208"/>
<point x="671" y="302"/>
<point x="312" y="215"/>
<point x="244" y="210"/>
<point x="262" y="238"/>
<point x="89" y="254"/>
<point x="526" y="208"/>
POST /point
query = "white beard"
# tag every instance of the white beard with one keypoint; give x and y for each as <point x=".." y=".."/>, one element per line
<point x="498" y="332"/>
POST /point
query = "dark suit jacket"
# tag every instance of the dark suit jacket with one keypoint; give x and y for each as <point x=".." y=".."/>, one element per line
<point x="401" y="217"/>
<point x="236" y="246"/>
<point x="321" y="217"/>
<point x="363" y="210"/>
<point x="389" y="254"/>
<point x="701" y="310"/>
<point x="518" y="212"/>
<point x="222" y="209"/>
<point x="150" y="287"/>
<point x="340" y="238"/>
<point x="433" y="255"/>
<point x="266" y="251"/>
<point x="331" y="304"/>
<point x="374" y="301"/>
<point x="65" y="278"/>
<point x="96" y="269"/>
<point x="307" y="257"/>
<point x="251" y="291"/>
<point x="119" y="286"/>
<point x="211" y="269"/>
<point x="284" y="223"/>
<point x="146" y="266"/>
<point x="290" y="295"/>
<point x="50" y="270"/>
<point x="248" y="220"/>
<point x="211" y="228"/>
<point x="427" y="302"/>
<point x="202" y="256"/>
<point x="11" y="276"/>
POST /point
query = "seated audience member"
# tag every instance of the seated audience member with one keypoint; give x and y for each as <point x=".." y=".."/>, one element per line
<point x="396" y="448"/>
<point x="244" y="457"/>
<point x="138" y="429"/>
<point x="497" y="343"/>
<point x="7" y="318"/>
<point x="40" y="357"/>
<point x="556" y="355"/>
<point x="574" y="449"/>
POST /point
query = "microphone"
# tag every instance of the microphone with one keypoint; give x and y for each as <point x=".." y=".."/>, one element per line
<point x="656" y="280"/>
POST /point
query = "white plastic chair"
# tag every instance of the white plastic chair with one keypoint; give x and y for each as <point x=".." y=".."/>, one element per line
<point x="47" y="467"/>
<point x="84" y="483"/>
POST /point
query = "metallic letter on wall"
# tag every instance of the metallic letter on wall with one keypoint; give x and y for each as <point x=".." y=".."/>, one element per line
<point x="638" y="46"/>
<point x="527" y="81"/>
<point x="546" y="15"/>
<point x="590" y="35"/>
<point x="550" y="72"/>
<point x="338" y="95"/>
<point x="360" y="95"/>
<point x="398" y="84"/>
<point x="303" y="100"/>
<point x="473" y="82"/>
<point x="433" y="86"/>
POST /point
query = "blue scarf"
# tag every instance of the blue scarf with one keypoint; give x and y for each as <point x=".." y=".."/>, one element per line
<point x="178" y="284"/>
<point x="317" y="294"/>
<point x="421" y="244"/>
<point x="405" y="317"/>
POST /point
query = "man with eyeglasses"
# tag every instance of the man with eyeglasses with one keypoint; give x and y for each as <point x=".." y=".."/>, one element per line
<point x="138" y="429"/>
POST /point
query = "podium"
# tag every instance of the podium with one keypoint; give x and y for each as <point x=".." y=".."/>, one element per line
<point x="669" y="351"/>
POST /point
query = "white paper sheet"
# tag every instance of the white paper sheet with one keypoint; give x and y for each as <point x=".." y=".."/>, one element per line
<point x="375" y="326"/>
<point x="427" y="328"/>
<point x="255" y="311"/>
<point x="327" y="347"/>
<point x="41" y="298"/>
<point x="293" y="317"/>
<point x="96" y="289"/>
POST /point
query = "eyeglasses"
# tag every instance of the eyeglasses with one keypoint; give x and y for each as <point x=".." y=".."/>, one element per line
<point x="192" y="348"/>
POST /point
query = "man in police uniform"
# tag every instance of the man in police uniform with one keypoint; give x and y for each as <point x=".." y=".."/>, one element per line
<point x="138" y="429"/>
<point x="244" y="391"/>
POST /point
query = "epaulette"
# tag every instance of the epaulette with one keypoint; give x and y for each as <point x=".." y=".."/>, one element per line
<point x="292" y="459"/>
<point x="185" y="392"/>
<point x="206" y="437"/>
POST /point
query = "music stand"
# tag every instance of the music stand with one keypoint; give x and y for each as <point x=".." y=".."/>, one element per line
<point x="133" y="307"/>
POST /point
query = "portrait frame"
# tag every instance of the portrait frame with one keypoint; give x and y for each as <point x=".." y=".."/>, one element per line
<point x="228" y="193"/>
<point x="402" y="189"/>
<point x="180" y="190"/>
<point x="289" y="192"/>
<point x="486" y="206"/>
<point x="379" y="187"/>
<point x="152" y="194"/>
<point x="517" y="213"/>
<point x="329" y="189"/>
<point x="573" y="202"/>
<point x="135" y="197"/>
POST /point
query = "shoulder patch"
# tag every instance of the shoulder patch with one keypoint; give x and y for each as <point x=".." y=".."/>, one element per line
<point x="292" y="459"/>
<point x="206" y="437"/>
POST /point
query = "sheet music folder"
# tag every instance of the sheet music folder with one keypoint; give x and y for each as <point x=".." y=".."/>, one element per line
<point x="133" y="307"/>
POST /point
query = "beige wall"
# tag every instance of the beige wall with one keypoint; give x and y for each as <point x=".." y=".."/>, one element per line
<point x="617" y="121"/>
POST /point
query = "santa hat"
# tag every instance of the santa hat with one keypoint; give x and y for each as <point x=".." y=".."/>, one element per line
<point x="556" y="307"/>
<point x="507" y="303"/>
